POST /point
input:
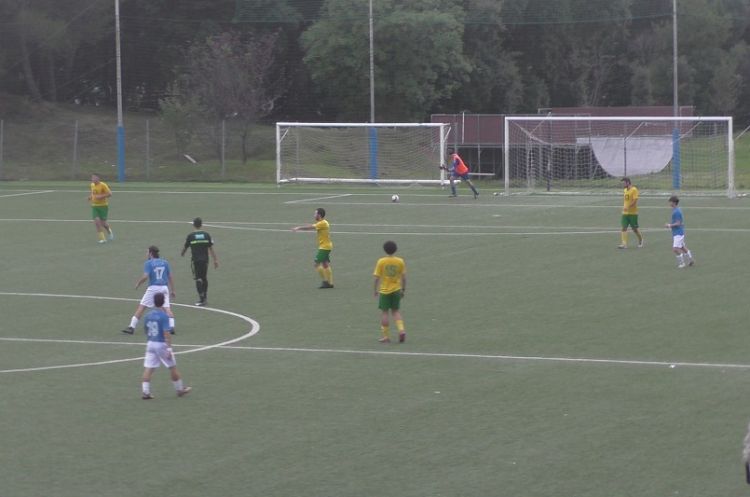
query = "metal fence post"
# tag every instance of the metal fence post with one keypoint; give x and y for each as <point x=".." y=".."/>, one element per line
<point x="223" y="146"/>
<point x="148" y="149"/>
<point x="75" y="149"/>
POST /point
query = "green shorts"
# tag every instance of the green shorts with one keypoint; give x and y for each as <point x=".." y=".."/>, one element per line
<point x="629" y="220"/>
<point x="99" y="211"/>
<point x="390" y="301"/>
<point x="322" y="256"/>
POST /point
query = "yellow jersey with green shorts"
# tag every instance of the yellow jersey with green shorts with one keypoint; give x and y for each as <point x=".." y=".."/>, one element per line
<point x="630" y="213"/>
<point x="390" y="271"/>
<point x="323" y="231"/>
<point x="99" y="207"/>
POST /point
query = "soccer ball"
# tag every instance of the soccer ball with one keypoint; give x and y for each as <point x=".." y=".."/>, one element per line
<point x="395" y="198"/>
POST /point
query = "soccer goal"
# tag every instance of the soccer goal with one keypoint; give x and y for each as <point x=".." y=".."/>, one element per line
<point x="387" y="153"/>
<point x="589" y="154"/>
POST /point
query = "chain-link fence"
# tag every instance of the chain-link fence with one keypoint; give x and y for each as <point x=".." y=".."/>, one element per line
<point x="154" y="150"/>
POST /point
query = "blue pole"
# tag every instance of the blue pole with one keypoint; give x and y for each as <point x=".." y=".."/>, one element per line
<point x="120" y="153"/>
<point x="676" y="173"/>
<point x="373" y="153"/>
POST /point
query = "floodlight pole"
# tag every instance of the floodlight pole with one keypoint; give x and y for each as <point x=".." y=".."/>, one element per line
<point x="120" y="126"/>
<point x="675" y="106"/>
<point x="676" y="157"/>
<point x="372" y="70"/>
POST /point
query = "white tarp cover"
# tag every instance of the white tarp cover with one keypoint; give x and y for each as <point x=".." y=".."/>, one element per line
<point x="645" y="154"/>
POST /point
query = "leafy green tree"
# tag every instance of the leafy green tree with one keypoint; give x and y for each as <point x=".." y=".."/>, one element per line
<point x="47" y="40"/>
<point x="640" y="84"/>
<point x="232" y="77"/>
<point x="182" y="113"/>
<point x="289" y="19"/>
<point x="494" y="79"/>
<point x="726" y="83"/>
<point x="575" y="49"/>
<point x="418" y="57"/>
<point x="154" y="36"/>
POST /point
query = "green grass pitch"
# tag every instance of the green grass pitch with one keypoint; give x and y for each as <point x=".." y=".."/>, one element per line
<point x="537" y="361"/>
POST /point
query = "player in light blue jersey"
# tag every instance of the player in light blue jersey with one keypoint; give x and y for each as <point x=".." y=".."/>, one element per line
<point x="159" y="349"/>
<point x="677" y="225"/>
<point x="159" y="276"/>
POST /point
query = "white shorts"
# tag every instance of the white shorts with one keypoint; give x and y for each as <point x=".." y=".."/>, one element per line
<point x="148" y="297"/>
<point x="678" y="241"/>
<point x="156" y="355"/>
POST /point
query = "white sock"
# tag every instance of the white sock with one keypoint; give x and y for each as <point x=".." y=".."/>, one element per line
<point x="177" y="384"/>
<point x="133" y="322"/>
<point x="146" y="387"/>
<point x="171" y="323"/>
<point x="690" y="255"/>
<point x="680" y="259"/>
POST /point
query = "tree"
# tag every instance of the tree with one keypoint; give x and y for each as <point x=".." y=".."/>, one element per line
<point x="181" y="112"/>
<point x="726" y="83"/>
<point x="48" y="39"/>
<point x="573" y="46"/>
<point x="232" y="76"/>
<point x="494" y="79"/>
<point x="418" y="57"/>
<point x="640" y="84"/>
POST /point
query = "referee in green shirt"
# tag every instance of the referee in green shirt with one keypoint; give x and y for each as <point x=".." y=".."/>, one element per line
<point x="201" y="246"/>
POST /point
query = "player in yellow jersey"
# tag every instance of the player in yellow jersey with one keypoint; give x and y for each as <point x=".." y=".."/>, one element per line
<point x="390" y="285"/>
<point x="99" y="198"/>
<point x="323" y="255"/>
<point x="629" y="214"/>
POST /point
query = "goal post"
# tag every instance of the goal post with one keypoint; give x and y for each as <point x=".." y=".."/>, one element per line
<point x="589" y="154"/>
<point x="376" y="153"/>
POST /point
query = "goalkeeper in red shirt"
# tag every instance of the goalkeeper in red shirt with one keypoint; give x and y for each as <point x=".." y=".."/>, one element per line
<point x="458" y="170"/>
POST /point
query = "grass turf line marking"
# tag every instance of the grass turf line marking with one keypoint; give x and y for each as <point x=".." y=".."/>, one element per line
<point x="254" y="329"/>
<point x="584" y="360"/>
<point x="559" y="230"/>
<point x="26" y="193"/>
<point x="315" y="199"/>
<point x="450" y="203"/>
<point x="95" y="342"/>
<point x="504" y="357"/>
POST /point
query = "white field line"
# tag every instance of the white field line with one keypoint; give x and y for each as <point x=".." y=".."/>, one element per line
<point x="502" y="357"/>
<point x="226" y="225"/>
<point x="316" y="199"/>
<point x="25" y="193"/>
<point x="472" y="204"/>
<point x="525" y="230"/>
<point x="254" y="328"/>
<point x="388" y="202"/>
<point x="497" y="357"/>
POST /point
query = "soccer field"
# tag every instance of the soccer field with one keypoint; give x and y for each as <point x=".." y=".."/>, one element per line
<point x="540" y="360"/>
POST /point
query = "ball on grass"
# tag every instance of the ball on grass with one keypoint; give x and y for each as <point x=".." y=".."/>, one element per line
<point x="395" y="198"/>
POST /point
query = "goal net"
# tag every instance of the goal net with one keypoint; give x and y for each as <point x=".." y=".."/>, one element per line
<point x="396" y="153"/>
<point x="584" y="153"/>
